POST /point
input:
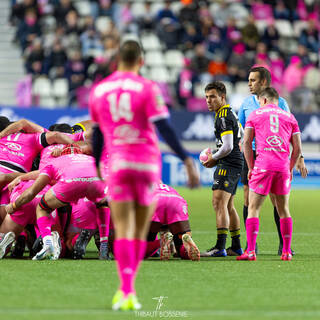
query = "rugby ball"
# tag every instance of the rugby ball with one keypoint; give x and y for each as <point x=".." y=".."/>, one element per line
<point x="203" y="157"/>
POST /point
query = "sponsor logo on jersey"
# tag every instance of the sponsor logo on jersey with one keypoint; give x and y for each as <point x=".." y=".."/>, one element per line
<point x="13" y="146"/>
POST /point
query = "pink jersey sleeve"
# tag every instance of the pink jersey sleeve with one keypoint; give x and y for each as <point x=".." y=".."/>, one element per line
<point x="295" y="126"/>
<point x="250" y="121"/>
<point x="49" y="171"/>
<point x="156" y="108"/>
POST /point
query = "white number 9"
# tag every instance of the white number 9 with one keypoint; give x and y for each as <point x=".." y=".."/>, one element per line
<point x="274" y="123"/>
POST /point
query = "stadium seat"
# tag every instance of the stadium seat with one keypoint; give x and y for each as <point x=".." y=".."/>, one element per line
<point x="144" y="71"/>
<point x="159" y="74"/>
<point x="150" y="42"/>
<point x="103" y="24"/>
<point x="156" y="6"/>
<point x="176" y="7"/>
<point x="312" y="79"/>
<point x="174" y="58"/>
<point x="241" y="87"/>
<point x="48" y="24"/>
<point x="137" y="9"/>
<point x="229" y="87"/>
<point x="154" y="58"/>
<point x="42" y="87"/>
<point x="199" y="90"/>
<point x="298" y="26"/>
<point x="60" y="88"/>
<point x="261" y="26"/>
<point x="284" y="28"/>
<point x="83" y="7"/>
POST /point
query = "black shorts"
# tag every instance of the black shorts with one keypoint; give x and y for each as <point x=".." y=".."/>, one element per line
<point x="226" y="179"/>
<point x="244" y="173"/>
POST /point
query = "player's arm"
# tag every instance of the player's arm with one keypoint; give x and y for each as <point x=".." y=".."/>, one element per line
<point x="23" y="124"/>
<point x="225" y="149"/>
<point x="52" y="137"/>
<point x="170" y="137"/>
<point x="97" y="146"/>
<point x="28" y="194"/>
<point x="7" y="178"/>
<point x="296" y="150"/>
<point x="301" y="167"/>
<point x="247" y="148"/>
<point x="32" y="175"/>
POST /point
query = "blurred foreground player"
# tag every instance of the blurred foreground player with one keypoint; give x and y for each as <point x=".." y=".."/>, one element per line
<point x="126" y="107"/>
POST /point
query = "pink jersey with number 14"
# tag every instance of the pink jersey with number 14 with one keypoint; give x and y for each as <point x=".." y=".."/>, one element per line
<point x="273" y="128"/>
<point x="125" y="105"/>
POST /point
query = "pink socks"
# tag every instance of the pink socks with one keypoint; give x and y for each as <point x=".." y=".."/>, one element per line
<point x="124" y="251"/>
<point x="103" y="222"/>
<point x="129" y="254"/>
<point x="252" y="227"/>
<point x="286" y="232"/>
<point x="44" y="225"/>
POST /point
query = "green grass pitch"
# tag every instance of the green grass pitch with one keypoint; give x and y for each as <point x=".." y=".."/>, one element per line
<point x="214" y="288"/>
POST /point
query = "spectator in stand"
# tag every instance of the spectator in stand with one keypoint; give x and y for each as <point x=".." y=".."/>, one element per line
<point x="166" y="12"/>
<point x="71" y="23"/>
<point x="108" y="8"/>
<point x="28" y="29"/>
<point x="238" y="64"/>
<point x="271" y="36"/>
<point x="221" y="15"/>
<point x="293" y="74"/>
<point x="302" y="53"/>
<point x="56" y="60"/>
<point x="75" y="73"/>
<point x="34" y="56"/>
<point x="184" y="85"/>
<point x="310" y="36"/>
<point x="250" y="34"/>
<point x="168" y="32"/>
<point x="261" y="10"/>
<point x="280" y="11"/>
<point x="189" y="13"/>
<point x="90" y="43"/>
<point x="147" y="20"/>
<point x="62" y="9"/>
<point x="216" y="40"/>
<point x="276" y="70"/>
<point x="200" y="63"/>
<point x="19" y="9"/>
<point x="191" y="37"/>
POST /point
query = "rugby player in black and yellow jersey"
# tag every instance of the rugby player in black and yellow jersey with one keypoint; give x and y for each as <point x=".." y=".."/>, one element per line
<point x="228" y="161"/>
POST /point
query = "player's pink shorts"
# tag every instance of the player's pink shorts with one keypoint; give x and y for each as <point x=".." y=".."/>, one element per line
<point x="132" y="185"/>
<point x="83" y="215"/>
<point x="27" y="213"/>
<point x="170" y="209"/>
<point x="264" y="182"/>
<point x="4" y="196"/>
<point x="71" y="190"/>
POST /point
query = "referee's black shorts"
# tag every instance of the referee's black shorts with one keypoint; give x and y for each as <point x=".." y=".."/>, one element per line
<point x="244" y="173"/>
<point x="226" y="179"/>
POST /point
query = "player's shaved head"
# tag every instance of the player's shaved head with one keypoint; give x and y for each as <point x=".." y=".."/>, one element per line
<point x="270" y="94"/>
<point x="130" y="52"/>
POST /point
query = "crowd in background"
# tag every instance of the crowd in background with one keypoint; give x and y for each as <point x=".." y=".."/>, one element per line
<point x="220" y="40"/>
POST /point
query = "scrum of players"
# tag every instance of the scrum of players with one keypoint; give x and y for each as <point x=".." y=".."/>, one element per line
<point x="53" y="200"/>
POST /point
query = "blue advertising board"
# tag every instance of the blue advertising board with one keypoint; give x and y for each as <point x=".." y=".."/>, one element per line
<point x="189" y="126"/>
<point x="173" y="172"/>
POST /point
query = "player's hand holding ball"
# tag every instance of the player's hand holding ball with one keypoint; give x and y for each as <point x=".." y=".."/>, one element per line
<point x="205" y="158"/>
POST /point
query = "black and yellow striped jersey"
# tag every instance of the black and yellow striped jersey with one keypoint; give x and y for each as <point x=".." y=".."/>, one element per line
<point x="227" y="122"/>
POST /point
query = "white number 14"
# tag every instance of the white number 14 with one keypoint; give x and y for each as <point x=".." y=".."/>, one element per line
<point x="122" y="108"/>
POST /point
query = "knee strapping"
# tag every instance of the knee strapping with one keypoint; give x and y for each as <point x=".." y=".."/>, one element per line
<point x="44" y="205"/>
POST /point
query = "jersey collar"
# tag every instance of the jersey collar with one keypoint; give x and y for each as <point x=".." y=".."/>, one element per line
<point x="223" y="107"/>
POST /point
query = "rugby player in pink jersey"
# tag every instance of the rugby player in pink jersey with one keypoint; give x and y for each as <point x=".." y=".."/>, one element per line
<point x="271" y="172"/>
<point x="172" y="211"/>
<point x="69" y="186"/>
<point x="127" y="107"/>
<point x="18" y="150"/>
